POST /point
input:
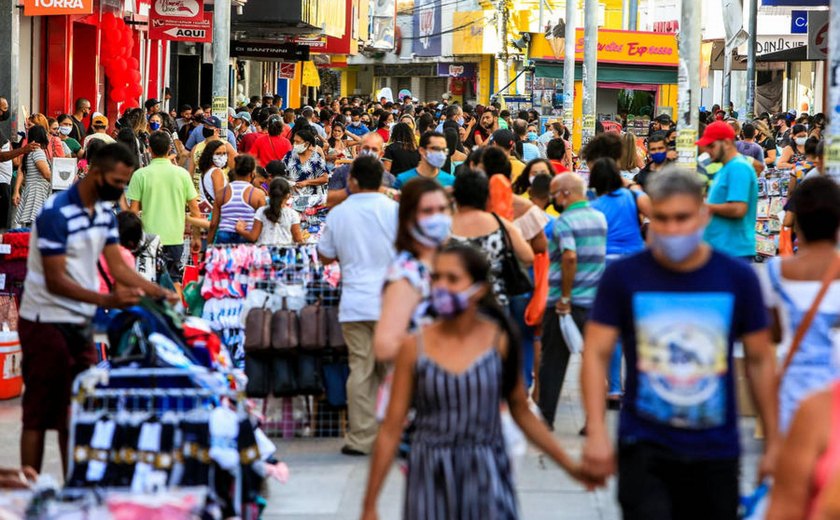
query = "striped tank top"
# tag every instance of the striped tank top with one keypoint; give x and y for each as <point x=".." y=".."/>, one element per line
<point x="237" y="208"/>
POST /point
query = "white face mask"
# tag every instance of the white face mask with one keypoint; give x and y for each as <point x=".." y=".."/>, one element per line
<point x="220" y="160"/>
<point x="800" y="140"/>
<point x="300" y="148"/>
<point x="65" y="130"/>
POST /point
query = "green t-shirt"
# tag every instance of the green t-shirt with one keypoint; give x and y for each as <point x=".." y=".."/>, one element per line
<point x="73" y="145"/>
<point x="163" y="191"/>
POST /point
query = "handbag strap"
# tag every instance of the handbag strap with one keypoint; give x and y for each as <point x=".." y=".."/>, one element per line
<point x="828" y="277"/>
<point x="508" y="243"/>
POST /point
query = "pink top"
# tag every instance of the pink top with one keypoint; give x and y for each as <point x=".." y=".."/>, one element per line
<point x="829" y="462"/>
<point x="129" y="259"/>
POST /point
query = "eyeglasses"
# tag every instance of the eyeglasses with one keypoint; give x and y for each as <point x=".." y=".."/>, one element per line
<point x="436" y="149"/>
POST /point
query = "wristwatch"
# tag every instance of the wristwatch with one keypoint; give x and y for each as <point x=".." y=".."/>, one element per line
<point x="565" y="300"/>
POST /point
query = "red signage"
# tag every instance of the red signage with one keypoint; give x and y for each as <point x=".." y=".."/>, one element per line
<point x="56" y="7"/>
<point x="329" y="44"/>
<point x="183" y="30"/>
<point x="670" y="27"/>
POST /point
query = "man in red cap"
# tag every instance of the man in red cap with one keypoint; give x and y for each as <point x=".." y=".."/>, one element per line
<point x="733" y="196"/>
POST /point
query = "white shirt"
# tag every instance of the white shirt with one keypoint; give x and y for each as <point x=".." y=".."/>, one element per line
<point x="360" y="234"/>
<point x="6" y="166"/>
<point x="280" y="232"/>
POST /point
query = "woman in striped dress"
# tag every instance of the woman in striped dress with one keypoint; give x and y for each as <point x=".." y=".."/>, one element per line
<point x="457" y="371"/>
<point x="36" y="178"/>
<point x="237" y="201"/>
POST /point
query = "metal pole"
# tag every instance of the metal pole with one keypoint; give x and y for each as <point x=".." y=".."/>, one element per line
<point x="569" y="69"/>
<point x="633" y="15"/>
<point x="10" y="62"/>
<point x="752" y="27"/>
<point x="590" y="68"/>
<point x="221" y="59"/>
<point x="688" y="91"/>
<point x="502" y="18"/>
<point x="727" y="79"/>
<point x="542" y="15"/>
<point x="832" y="149"/>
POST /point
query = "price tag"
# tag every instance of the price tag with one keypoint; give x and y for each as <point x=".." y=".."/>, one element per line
<point x="5" y="249"/>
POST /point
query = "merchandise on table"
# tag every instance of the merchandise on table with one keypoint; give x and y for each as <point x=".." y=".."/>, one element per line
<point x="772" y="199"/>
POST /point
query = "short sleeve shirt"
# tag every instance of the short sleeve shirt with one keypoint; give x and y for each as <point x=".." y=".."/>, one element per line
<point x="583" y="230"/>
<point x="407" y="267"/>
<point x="280" y="232"/>
<point x="163" y="190"/>
<point x="443" y="178"/>
<point x="677" y="330"/>
<point x="735" y="182"/>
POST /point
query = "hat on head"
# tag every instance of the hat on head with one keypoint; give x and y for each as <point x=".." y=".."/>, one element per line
<point x="717" y="131"/>
<point x="244" y="116"/>
<point x="663" y="119"/>
<point x="213" y="121"/>
<point x="99" y="120"/>
<point x="231" y="112"/>
<point x="504" y="138"/>
<point x="151" y="102"/>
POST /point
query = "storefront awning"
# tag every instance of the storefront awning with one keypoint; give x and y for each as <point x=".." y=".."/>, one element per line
<point x="635" y="75"/>
<point x="795" y="54"/>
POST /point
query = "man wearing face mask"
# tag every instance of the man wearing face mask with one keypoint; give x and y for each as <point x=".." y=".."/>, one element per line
<point x="82" y="110"/>
<point x="61" y="294"/>
<point x="433" y="155"/>
<point x="782" y="130"/>
<point x="658" y="154"/>
<point x="356" y="127"/>
<point x="360" y="234"/>
<point x="160" y="193"/>
<point x="677" y="308"/>
<point x="339" y="185"/>
<point x="7" y="154"/>
<point x="733" y="195"/>
<point x="577" y="254"/>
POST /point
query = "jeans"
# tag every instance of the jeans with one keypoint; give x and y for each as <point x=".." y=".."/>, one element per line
<point x="172" y="261"/>
<point x="555" y="359"/>
<point x="230" y="237"/>
<point x="654" y="483"/>
<point x="516" y="307"/>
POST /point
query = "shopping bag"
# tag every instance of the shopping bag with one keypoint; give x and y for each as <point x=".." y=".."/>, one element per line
<point x="786" y="242"/>
<point x="536" y="307"/>
<point x="571" y="334"/>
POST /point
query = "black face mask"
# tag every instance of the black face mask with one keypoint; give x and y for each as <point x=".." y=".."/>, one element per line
<point x="107" y="192"/>
<point x="5" y="116"/>
<point x="557" y="207"/>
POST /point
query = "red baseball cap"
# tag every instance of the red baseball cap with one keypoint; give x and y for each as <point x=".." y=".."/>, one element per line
<point x="717" y="131"/>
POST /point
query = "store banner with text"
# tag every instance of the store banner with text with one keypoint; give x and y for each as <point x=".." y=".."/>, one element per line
<point x="619" y="47"/>
<point x="427" y="28"/>
<point x="180" y="20"/>
<point x="57" y="7"/>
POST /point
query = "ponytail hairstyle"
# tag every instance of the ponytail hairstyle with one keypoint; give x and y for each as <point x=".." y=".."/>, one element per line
<point x="278" y="192"/>
<point x="477" y="265"/>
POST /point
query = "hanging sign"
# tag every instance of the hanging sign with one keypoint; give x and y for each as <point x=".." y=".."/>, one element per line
<point x="269" y="50"/>
<point x="310" y="75"/>
<point x="177" y="10"/>
<point x="57" y="7"/>
<point x="287" y="71"/>
<point x="183" y="30"/>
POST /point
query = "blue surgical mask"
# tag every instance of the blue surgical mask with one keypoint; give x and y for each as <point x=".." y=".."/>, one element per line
<point x="432" y="231"/>
<point x="155" y="126"/>
<point x="448" y="305"/>
<point x="436" y="159"/>
<point x="676" y="248"/>
<point x="659" y="157"/>
<point x="532" y="136"/>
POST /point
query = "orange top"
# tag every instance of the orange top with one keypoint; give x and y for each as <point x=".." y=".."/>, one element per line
<point x="828" y="464"/>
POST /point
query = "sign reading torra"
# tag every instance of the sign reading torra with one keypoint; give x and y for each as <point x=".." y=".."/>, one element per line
<point x="57" y="7"/>
<point x="625" y="47"/>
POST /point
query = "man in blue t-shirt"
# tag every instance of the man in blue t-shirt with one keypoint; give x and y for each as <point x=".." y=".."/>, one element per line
<point x="433" y="155"/>
<point x="677" y="308"/>
<point x="733" y="196"/>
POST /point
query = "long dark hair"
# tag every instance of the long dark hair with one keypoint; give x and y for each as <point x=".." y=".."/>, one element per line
<point x="477" y="265"/>
<point x="523" y="182"/>
<point x="402" y="134"/>
<point x="410" y="197"/>
<point x="38" y="134"/>
<point x="604" y="177"/>
<point x="278" y="192"/>
<point x="332" y="140"/>
<point x="205" y="162"/>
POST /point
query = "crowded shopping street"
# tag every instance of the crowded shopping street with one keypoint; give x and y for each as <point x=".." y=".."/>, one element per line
<point x="420" y="259"/>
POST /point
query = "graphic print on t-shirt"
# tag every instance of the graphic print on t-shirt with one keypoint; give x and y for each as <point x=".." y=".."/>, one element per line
<point x="682" y="344"/>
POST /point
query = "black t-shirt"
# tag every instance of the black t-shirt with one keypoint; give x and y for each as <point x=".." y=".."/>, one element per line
<point x="768" y="144"/>
<point x="783" y="139"/>
<point x="78" y="132"/>
<point x="401" y="159"/>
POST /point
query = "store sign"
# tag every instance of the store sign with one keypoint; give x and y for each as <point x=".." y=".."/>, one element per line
<point x="669" y="27"/>
<point x="452" y="70"/>
<point x="286" y="71"/>
<point x="184" y="30"/>
<point x="619" y="47"/>
<point x="818" y="35"/>
<point x="774" y="43"/>
<point x="57" y="7"/>
<point x="794" y="3"/>
<point x="177" y="9"/>
<point x="427" y="28"/>
<point x="799" y="22"/>
<point x="270" y="51"/>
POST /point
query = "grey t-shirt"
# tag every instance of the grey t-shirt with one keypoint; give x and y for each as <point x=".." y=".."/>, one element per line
<point x="750" y="149"/>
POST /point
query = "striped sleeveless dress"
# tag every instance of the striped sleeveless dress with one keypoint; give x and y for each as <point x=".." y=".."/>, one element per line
<point x="237" y="208"/>
<point x="458" y="467"/>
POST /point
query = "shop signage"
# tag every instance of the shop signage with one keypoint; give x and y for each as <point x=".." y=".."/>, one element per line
<point x="794" y="3"/>
<point x="287" y="71"/>
<point x="427" y="28"/>
<point x="184" y="30"/>
<point x="57" y="7"/>
<point x="818" y="35"/>
<point x="670" y="27"/>
<point x="177" y="9"/>
<point x="799" y="22"/>
<point x="619" y="47"/>
<point x="453" y="70"/>
<point x="270" y="51"/>
<point x="770" y="44"/>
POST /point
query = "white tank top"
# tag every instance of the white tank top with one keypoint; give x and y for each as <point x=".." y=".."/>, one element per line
<point x="207" y="192"/>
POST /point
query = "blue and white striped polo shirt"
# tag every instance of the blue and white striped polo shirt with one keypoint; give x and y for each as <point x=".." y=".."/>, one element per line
<point x="66" y="227"/>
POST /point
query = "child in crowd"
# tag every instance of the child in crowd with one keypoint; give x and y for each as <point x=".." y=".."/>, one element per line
<point x="131" y="234"/>
<point x="275" y="223"/>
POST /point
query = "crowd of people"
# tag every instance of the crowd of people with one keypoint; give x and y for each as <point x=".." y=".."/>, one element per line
<point x="467" y="236"/>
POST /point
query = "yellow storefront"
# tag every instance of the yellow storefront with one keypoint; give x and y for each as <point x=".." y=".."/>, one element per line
<point x="637" y="76"/>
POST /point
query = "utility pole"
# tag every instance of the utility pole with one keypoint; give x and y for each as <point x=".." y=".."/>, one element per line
<point x="10" y="62"/>
<point x="752" y="27"/>
<point x="688" y="90"/>
<point x="221" y="60"/>
<point x="832" y="150"/>
<point x="569" y="68"/>
<point x="502" y="29"/>
<point x="727" y="78"/>
<point x="633" y="15"/>
<point x="542" y="15"/>
<point x="590" y="68"/>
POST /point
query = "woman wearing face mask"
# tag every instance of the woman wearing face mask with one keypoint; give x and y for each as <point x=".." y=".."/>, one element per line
<point x="305" y="165"/>
<point x="794" y="153"/>
<point x="458" y="371"/>
<point x="237" y="201"/>
<point x="65" y="127"/>
<point x="762" y="137"/>
<point x="212" y="163"/>
<point x="38" y="176"/>
<point x="56" y="138"/>
<point x="383" y="128"/>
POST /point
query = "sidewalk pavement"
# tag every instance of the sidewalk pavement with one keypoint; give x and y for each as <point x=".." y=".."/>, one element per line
<point x="326" y="485"/>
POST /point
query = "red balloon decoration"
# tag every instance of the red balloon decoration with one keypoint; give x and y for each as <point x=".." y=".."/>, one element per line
<point x="121" y="67"/>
